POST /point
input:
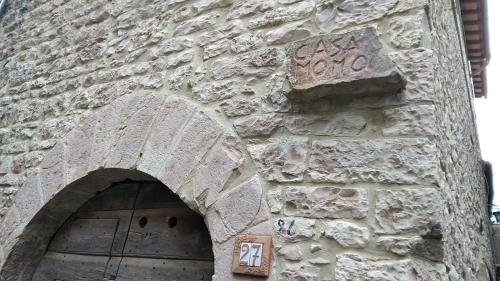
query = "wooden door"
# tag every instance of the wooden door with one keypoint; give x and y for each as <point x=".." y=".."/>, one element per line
<point x="132" y="231"/>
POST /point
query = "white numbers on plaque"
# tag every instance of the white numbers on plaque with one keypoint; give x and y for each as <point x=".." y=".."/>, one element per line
<point x="251" y="254"/>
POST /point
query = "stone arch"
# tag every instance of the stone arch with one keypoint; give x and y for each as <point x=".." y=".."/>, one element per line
<point x="139" y="136"/>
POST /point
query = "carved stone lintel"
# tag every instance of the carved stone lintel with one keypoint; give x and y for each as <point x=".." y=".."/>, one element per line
<point x="349" y="63"/>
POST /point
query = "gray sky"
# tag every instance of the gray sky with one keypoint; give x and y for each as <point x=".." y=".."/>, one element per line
<point x="488" y="110"/>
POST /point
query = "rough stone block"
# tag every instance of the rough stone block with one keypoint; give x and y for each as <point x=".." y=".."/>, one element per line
<point x="410" y="120"/>
<point x="238" y="107"/>
<point x="213" y="174"/>
<point x="326" y="202"/>
<point x="407" y="210"/>
<point x="404" y="161"/>
<point x="216" y="91"/>
<point x="300" y="272"/>
<point x="407" y="31"/>
<point x="350" y="63"/>
<point x="294" y="229"/>
<point x="258" y="125"/>
<point x="53" y="172"/>
<point x="275" y="200"/>
<point x="171" y="118"/>
<point x="347" y="234"/>
<point x="281" y="161"/>
<point x="342" y="124"/>
<point x="355" y="267"/>
<point x="196" y="139"/>
<point x="282" y="15"/>
<point x="239" y="207"/>
<point x="291" y="252"/>
<point x="125" y="151"/>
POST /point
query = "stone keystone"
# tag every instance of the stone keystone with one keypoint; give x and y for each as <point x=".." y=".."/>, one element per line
<point x="350" y="63"/>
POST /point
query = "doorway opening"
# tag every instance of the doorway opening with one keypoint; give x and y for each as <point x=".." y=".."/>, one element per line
<point x="130" y="231"/>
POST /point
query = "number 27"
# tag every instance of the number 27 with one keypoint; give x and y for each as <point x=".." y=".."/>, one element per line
<point x="250" y="253"/>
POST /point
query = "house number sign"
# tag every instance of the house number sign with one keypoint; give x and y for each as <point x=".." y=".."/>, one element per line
<point x="252" y="255"/>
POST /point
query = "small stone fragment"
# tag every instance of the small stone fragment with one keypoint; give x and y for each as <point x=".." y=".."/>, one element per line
<point x="238" y="107"/>
<point x="275" y="201"/>
<point x="291" y="252"/>
<point x="348" y="235"/>
<point x="282" y="160"/>
<point x="216" y="91"/>
<point x="258" y="125"/>
<point x="326" y="202"/>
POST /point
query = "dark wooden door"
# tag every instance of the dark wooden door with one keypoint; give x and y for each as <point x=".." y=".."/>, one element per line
<point x="132" y="231"/>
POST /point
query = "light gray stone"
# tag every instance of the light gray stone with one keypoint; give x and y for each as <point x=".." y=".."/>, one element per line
<point x="198" y="136"/>
<point x="258" y="125"/>
<point x="355" y="267"/>
<point x="410" y="120"/>
<point x="239" y="206"/>
<point x="200" y="23"/>
<point x="238" y="107"/>
<point x="216" y="49"/>
<point x="407" y="210"/>
<point x="172" y="116"/>
<point x="431" y="249"/>
<point x="334" y="15"/>
<point x="294" y="229"/>
<point x="247" y="42"/>
<point x="405" y="161"/>
<point x="349" y="63"/>
<point x="291" y="252"/>
<point x="406" y="32"/>
<point x="177" y="79"/>
<point x="5" y="164"/>
<point x="281" y="160"/>
<point x="326" y="202"/>
<point x="342" y="124"/>
<point x="249" y="7"/>
<point x="275" y="200"/>
<point x="213" y="174"/>
<point x="288" y="33"/>
<point x="231" y="30"/>
<point x="347" y="234"/>
<point x="319" y="261"/>
<point x="282" y="15"/>
<point x="300" y="273"/>
<point x="216" y="91"/>
<point x="417" y="66"/>
<point x="171" y="45"/>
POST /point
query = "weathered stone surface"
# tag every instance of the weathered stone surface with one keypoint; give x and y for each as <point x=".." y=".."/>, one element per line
<point x="247" y="42"/>
<point x="53" y="172"/>
<point x="407" y="210"/>
<point x="282" y="15"/>
<point x="384" y="161"/>
<point x="238" y="107"/>
<point x="281" y="160"/>
<point x="355" y="267"/>
<point x="216" y="49"/>
<point x="288" y="33"/>
<point x="249" y="7"/>
<point x="294" y="229"/>
<point x="417" y="66"/>
<point x="200" y="23"/>
<point x="239" y="207"/>
<point x="231" y="30"/>
<point x="343" y="124"/>
<point x="349" y="63"/>
<point x="410" y="120"/>
<point x="275" y="200"/>
<point x="216" y="91"/>
<point x="319" y="261"/>
<point x="258" y="63"/>
<point x="258" y="125"/>
<point x="5" y="164"/>
<point x="342" y="13"/>
<point x="326" y="202"/>
<point x="198" y="136"/>
<point x="347" y="234"/>
<point x="213" y="174"/>
<point x="177" y="79"/>
<point x="171" y="45"/>
<point x="291" y="252"/>
<point x="407" y="31"/>
<point x="431" y="249"/>
<point x="300" y="273"/>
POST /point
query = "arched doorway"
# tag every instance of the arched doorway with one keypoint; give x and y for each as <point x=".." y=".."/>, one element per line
<point x="130" y="231"/>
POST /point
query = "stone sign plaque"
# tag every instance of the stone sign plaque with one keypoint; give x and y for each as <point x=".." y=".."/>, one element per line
<point x="252" y="255"/>
<point x="352" y="62"/>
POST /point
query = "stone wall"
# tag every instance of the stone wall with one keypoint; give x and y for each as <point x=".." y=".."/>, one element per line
<point x="360" y="187"/>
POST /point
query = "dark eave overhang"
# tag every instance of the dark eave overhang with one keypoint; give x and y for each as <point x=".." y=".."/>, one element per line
<point x="475" y="20"/>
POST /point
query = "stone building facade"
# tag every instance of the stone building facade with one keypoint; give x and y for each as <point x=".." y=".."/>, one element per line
<point x="344" y="129"/>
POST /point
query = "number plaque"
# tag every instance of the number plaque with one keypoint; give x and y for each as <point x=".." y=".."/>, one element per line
<point x="252" y="255"/>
